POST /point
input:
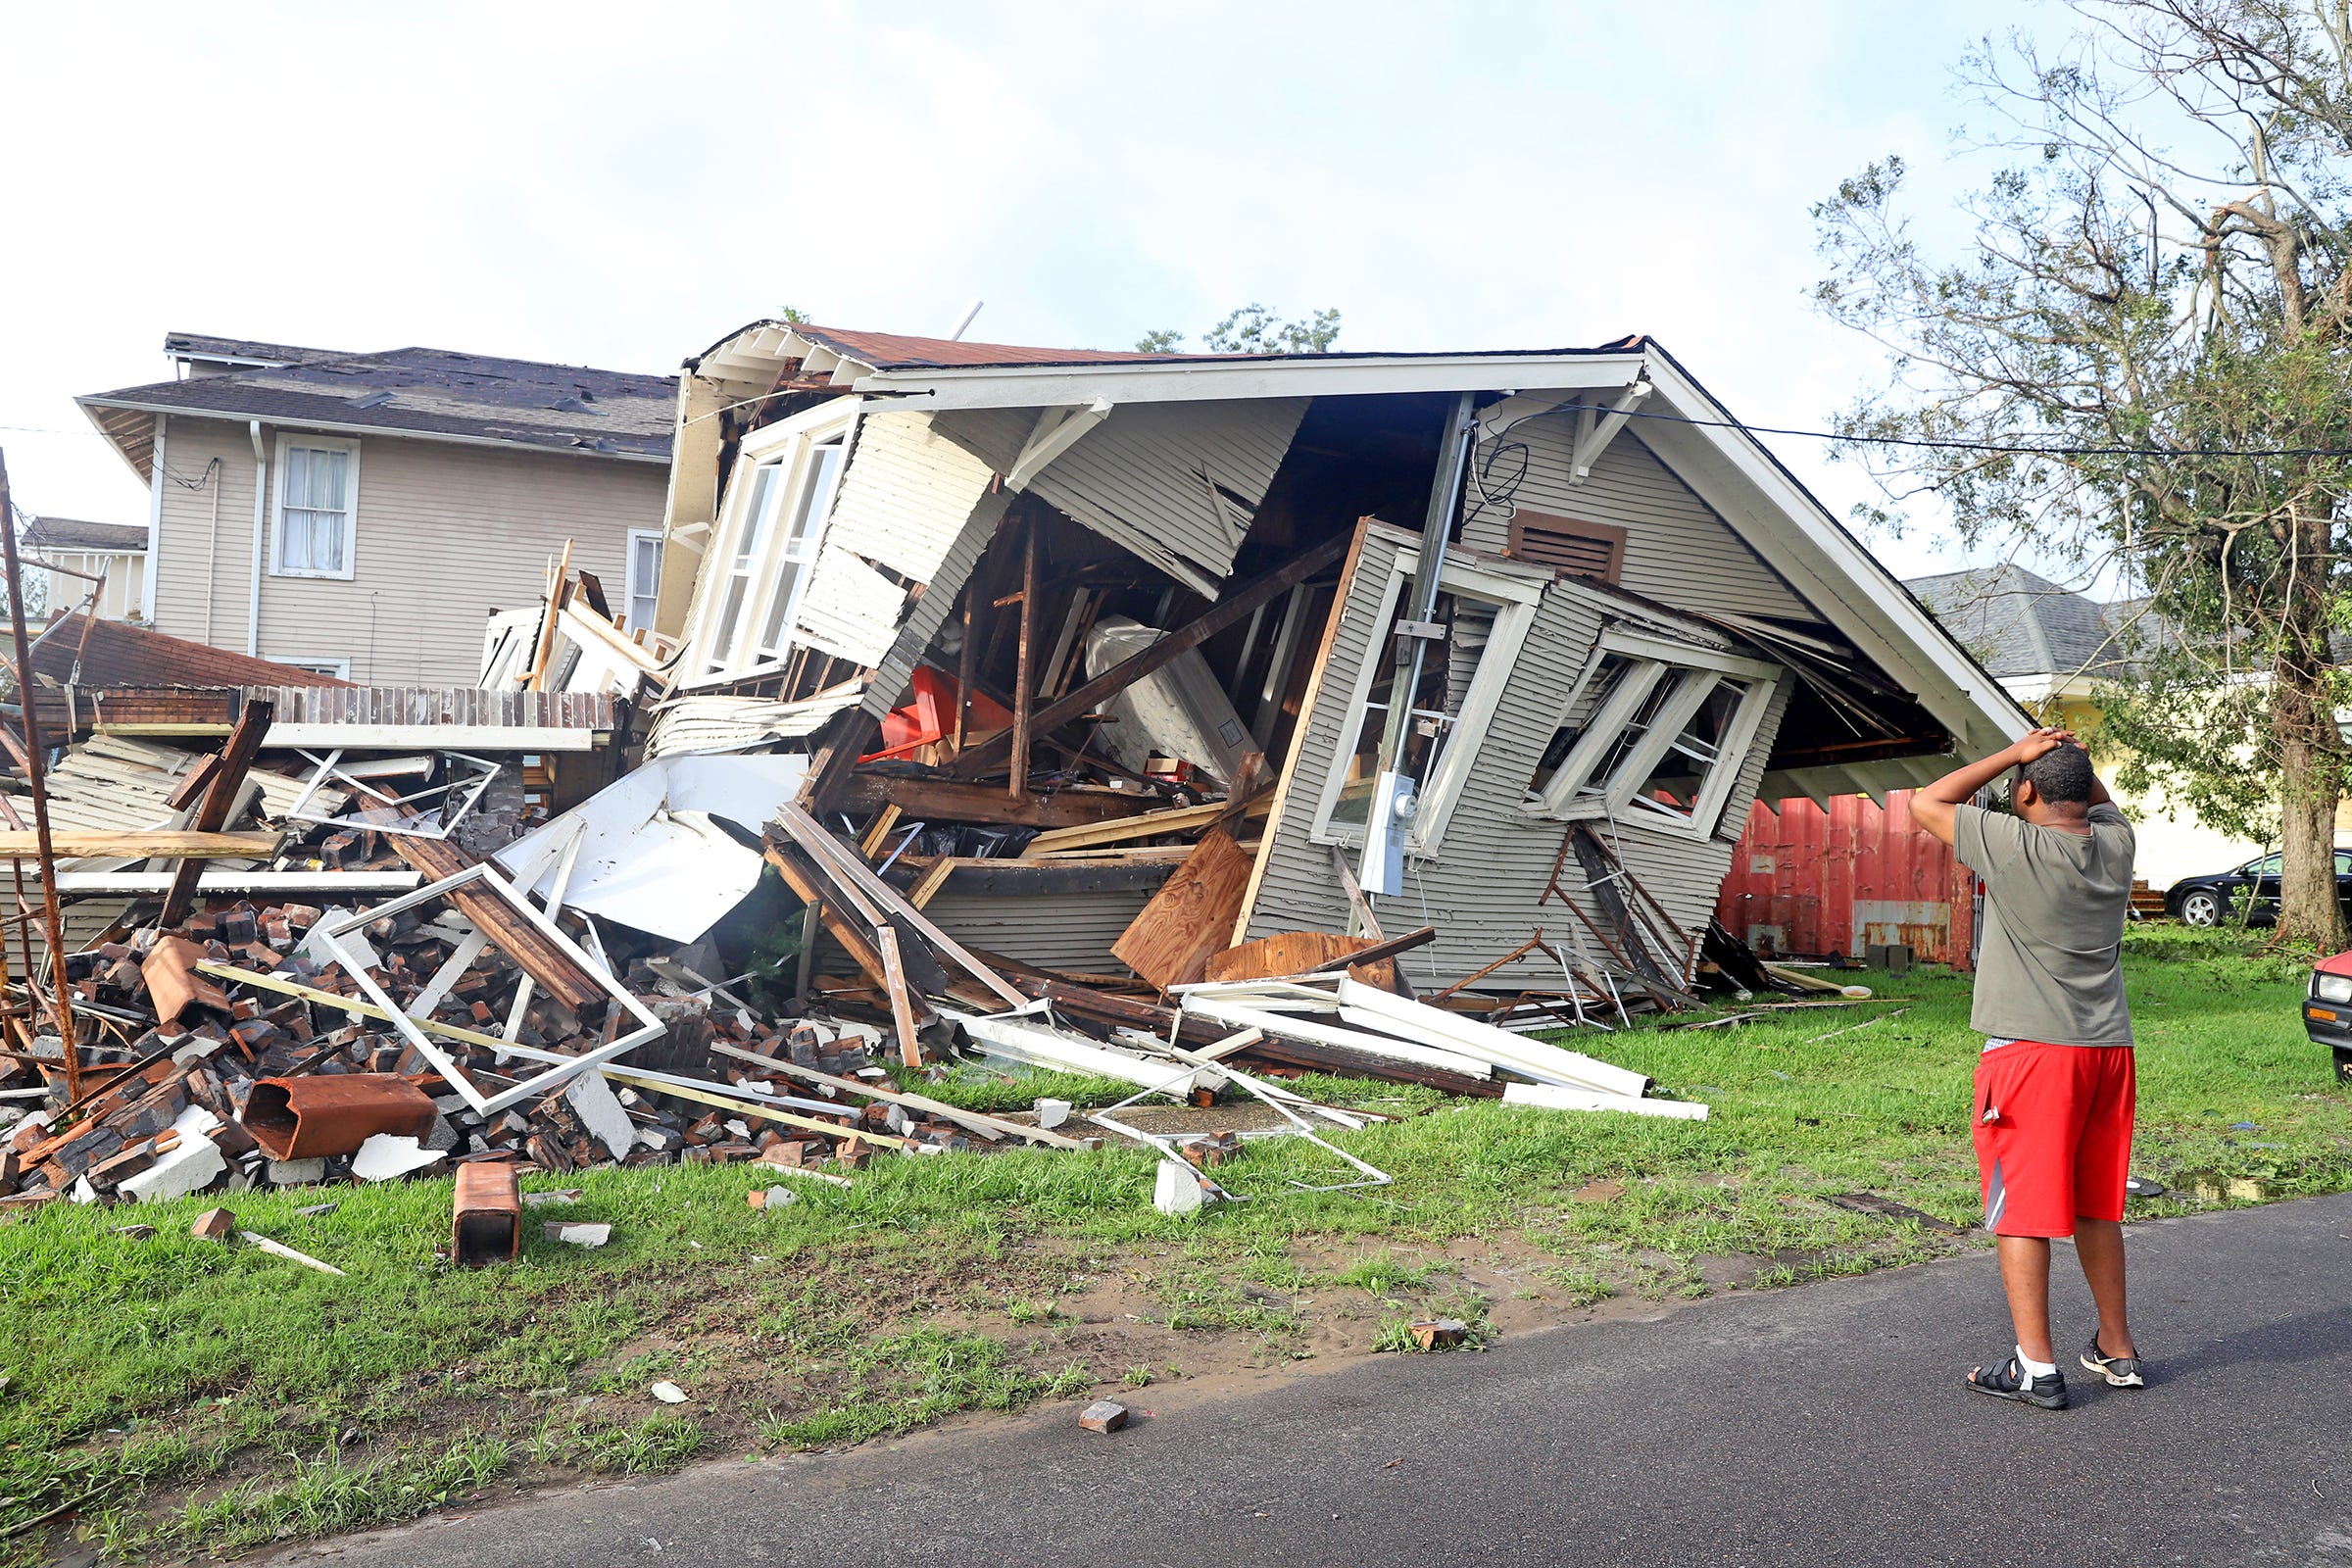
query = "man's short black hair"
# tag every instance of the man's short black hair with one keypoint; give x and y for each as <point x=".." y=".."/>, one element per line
<point x="2060" y="775"/>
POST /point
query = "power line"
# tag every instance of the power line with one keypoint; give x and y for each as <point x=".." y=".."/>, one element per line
<point x="2019" y="448"/>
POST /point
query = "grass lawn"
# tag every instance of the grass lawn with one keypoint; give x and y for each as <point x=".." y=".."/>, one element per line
<point x="196" y="1397"/>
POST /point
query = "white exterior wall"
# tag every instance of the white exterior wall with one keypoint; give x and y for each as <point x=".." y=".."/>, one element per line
<point x="444" y="533"/>
<point x="126" y="577"/>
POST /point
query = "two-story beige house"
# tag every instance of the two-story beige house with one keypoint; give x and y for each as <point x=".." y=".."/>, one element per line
<point x="359" y="514"/>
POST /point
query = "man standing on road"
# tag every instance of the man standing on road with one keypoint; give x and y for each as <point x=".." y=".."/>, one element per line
<point x="2055" y="1087"/>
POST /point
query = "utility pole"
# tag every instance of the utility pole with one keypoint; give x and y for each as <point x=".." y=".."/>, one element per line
<point x="1389" y="817"/>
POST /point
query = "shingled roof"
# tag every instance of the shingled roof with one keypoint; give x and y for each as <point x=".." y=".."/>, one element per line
<point x="117" y="654"/>
<point x="74" y="534"/>
<point x="2019" y="623"/>
<point x="419" y="392"/>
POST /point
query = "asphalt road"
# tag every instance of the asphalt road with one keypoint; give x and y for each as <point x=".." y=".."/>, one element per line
<point x="1817" y="1425"/>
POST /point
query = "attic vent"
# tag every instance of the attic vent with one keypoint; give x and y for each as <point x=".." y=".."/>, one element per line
<point x="373" y="399"/>
<point x="1584" y="549"/>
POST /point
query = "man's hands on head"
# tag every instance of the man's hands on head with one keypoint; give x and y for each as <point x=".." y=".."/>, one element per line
<point x="2041" y="742"/>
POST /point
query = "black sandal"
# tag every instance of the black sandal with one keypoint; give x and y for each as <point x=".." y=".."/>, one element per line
<point x="2120" y="1371"/>
<point x="2007" y="1380"/>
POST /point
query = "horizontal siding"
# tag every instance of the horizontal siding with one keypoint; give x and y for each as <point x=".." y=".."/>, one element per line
<point x="1136" y="477"/>
<point x="905" y="495"/>
<point x="930" y="611"/>
<point x="848" y="609"/>
<point x="1676" y="550"/>
<point x="1483" y="889"/>
<point x="1067" y="931"/>
<point x="446" y="533"/>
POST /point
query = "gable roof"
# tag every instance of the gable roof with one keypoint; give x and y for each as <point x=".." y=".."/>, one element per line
<point x="2020" y="623"/>
<point x="118" y="653"/>
<point x="434" y="394"/>
<point x="72" y="533"/>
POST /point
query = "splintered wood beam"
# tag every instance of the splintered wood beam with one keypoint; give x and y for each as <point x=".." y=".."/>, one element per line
<point x="1230" y="610"/>
<point x="73" y="844"/>
<point x="934" y="800"/>
<point x="808" y="883"/>
<point x="1024" y="683"/>
<point x="219" y="795"/>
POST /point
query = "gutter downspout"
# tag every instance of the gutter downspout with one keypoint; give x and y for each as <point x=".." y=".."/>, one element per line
<point x="261" y="510"/>
<point x="155" y="520"/>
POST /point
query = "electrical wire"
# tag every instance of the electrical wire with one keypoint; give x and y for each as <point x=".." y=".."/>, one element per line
<point x="2023" y="448"/>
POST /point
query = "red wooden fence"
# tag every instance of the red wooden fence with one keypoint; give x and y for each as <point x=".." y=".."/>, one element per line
<point x="1814" y="882"/>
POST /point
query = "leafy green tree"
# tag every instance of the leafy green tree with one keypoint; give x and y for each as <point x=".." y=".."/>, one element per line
<point x="2140" y="366"/>
<point x="1253" y="330"/>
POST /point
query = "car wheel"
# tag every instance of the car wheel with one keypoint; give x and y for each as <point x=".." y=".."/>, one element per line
<point x="2343" y="1063"/>
<point x="2201" y="907"/>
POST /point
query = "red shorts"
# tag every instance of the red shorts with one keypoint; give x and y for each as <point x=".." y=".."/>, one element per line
<point x="2053" y="1128"/>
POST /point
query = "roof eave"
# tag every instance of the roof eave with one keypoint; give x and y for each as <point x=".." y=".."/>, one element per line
<point x="1182" y="380"/>
<point x="346" y="427"/>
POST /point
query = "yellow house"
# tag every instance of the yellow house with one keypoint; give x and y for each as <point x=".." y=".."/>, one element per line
<point x="2050" y="647"/>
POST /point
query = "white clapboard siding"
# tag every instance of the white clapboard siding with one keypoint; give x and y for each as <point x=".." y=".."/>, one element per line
<point x="1676" y="550"/>
<point x="848" y="609"/>
<point x="720" y="722"/>
<point x="906" y="495"/>
<point x="1481" y="889"/>
<point x="924" y="618"/>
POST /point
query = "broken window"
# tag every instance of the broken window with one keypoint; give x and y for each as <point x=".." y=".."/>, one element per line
<point x="318" y="495"/>
<point x="770" y="540"/>
<point x="1656" y="733"/>
<point x="1470" y="642"/>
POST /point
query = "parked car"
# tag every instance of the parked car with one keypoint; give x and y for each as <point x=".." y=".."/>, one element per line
<point x="2328" y="1010"/>
<point x="2212" y="900"/>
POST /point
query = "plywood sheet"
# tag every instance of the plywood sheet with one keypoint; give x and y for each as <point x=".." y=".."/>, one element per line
<point x="1289" y="952"/>
<point x="1190" y="916"/>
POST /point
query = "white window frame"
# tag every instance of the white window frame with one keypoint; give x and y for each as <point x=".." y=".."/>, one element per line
<point x="287" y="442"/>
<point x="789" y="446"/>
<point x="1657" y="659"/>
<point x="340" y="668"/>
<point x="1515" y="600"/>
<point x="630" y="590"/>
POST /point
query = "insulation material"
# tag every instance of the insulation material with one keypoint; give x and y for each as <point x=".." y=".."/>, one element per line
<point x="848" y="609"/>
<point x="1177" y="711"/>
<point x="651" y="856"/>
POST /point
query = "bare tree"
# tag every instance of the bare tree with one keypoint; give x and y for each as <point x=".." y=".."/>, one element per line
<point x="2142" y="365"/>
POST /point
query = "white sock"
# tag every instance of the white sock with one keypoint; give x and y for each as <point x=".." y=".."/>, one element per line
<point x="2034" y="1368"/>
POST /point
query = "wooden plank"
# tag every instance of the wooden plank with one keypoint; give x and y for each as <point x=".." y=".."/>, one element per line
<point x="847" y="867"/>
<point x="548" y="965"/>
<point x="989" y="1127"/>
<point x="1050" y="879"/>
<point x="810" y="886"/>
<point x="149" y="844"/>
<point x="1296" y="955"/>
<point x="1024" y="688"/>
<point x="1190" y="917"/>
<point x="902" y="1014"/>
<point x="1229" y="611"/>
<point x="1151" y="824"/>
<point x="220" y="794"/>
<point x="933" y="800"/>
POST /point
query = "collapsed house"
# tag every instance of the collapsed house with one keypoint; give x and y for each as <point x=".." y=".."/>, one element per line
<point x="1197" y="722"/>
<point x="1011" y="603"/>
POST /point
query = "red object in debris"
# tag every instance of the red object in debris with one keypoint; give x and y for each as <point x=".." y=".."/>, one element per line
<point x="1808" y="881"/>
<point x="309" y="1118"/>
<point x="488" y="1225"/>
<point x="931" y="716"/>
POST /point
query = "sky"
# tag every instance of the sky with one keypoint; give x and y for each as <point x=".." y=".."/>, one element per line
<point x="622" y="186"/>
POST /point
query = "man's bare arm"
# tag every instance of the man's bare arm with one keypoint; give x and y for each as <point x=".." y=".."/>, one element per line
<point x="1934" y="808"/>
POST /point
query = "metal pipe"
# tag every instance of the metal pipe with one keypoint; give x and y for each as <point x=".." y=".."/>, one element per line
<point x="60" y="990"/>
<point x="261" y="505"/>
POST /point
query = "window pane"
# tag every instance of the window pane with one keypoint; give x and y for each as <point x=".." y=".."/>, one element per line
<point x="759" y="515"/>
<point x="1679" y="776"/>
<point x="816" y="499"/>
<point x="1447" y="671"/>
<point x="779" y="605"/>
<point x="1622" y="748"/>
<point x="1607" y="676"/>
<point x="730" y="617"/>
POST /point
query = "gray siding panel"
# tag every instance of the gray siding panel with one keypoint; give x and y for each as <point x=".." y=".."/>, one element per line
<point x="1071" y="931"/>
<point x="1137" y="478"/>
<point x="1484" y="887"/>
<point x="1676" y="550"/>
<point x="922" y="623"/>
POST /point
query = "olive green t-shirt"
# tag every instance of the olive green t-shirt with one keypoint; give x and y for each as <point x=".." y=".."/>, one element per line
<point x="2049" y="966"/>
